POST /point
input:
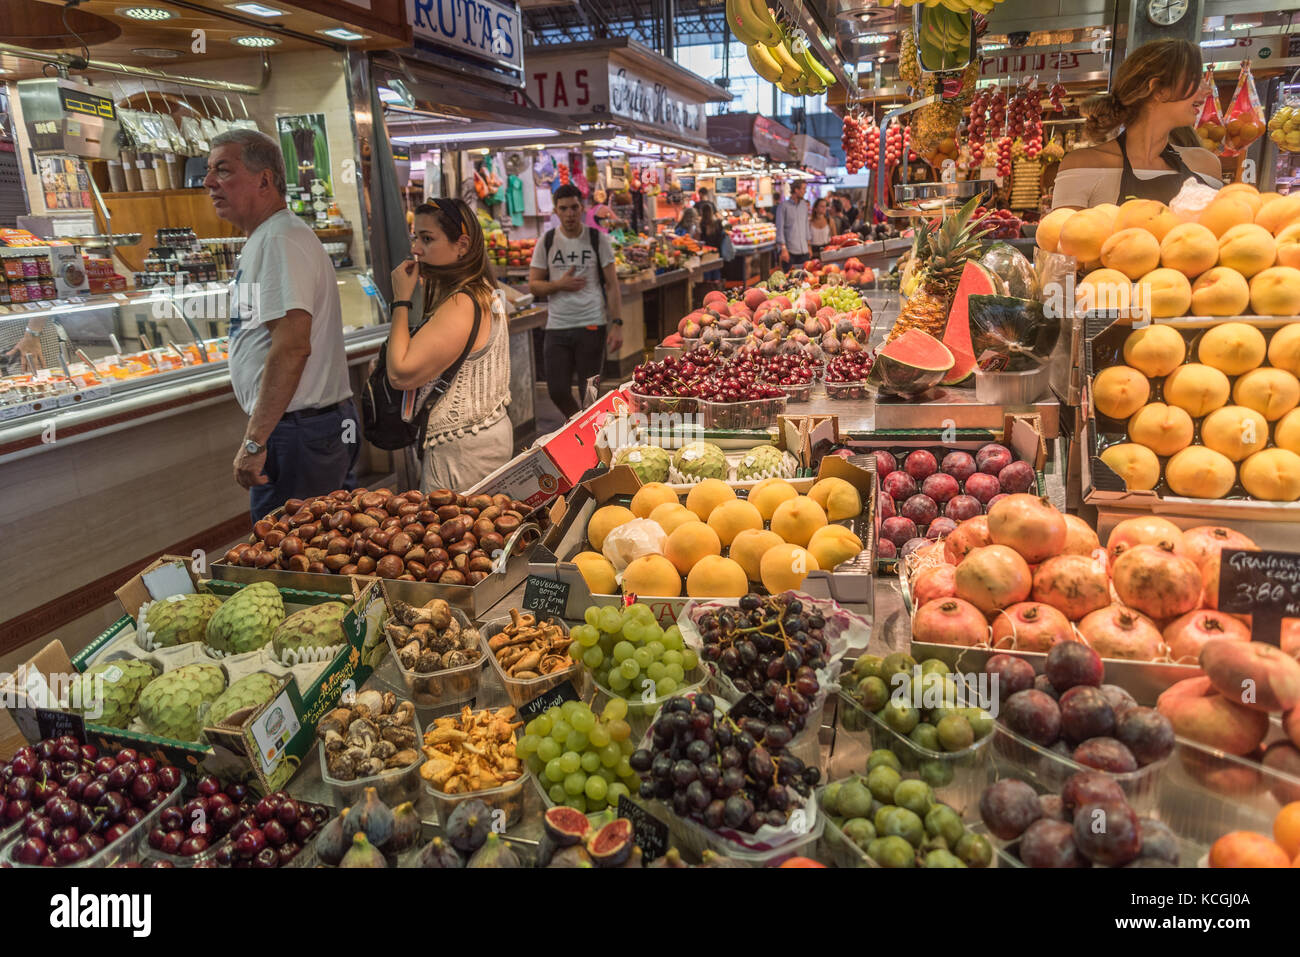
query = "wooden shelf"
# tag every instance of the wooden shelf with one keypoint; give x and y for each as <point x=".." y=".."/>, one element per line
<point x="156" y="193"/>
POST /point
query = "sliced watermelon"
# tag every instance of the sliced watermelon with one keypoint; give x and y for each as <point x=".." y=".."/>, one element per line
<point x="976" y="280"/>
<point x="912" y="363"/>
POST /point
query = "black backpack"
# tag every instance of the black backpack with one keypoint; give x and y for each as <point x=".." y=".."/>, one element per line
<point x="381" y="403"/>
<point x="593" y="237"/>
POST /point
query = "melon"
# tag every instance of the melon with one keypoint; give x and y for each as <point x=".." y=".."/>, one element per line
<point x="912" y="363"/>
<point x="976" y="280"/>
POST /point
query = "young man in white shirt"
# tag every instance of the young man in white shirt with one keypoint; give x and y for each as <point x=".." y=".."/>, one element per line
<point x="793" y="218"/>
<point x="573" y="267"/>
<point x="288" y="367"/>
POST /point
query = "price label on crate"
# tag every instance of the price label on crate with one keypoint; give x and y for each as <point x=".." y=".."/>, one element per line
<point x="546" y="596"/>
<point x="648" y="832"/>
<point x="1264" y="585"/>
<point x="561" y="693"/>
<point x="55" y="724"/>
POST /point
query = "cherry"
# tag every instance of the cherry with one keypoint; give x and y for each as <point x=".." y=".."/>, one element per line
<point x="208" y="785"/>
<point x="127" y="755"/>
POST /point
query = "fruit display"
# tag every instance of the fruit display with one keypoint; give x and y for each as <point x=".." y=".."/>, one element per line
<point x="580" y="759"/>
<point x="177" y="620"/>
<point x="469" y="840"/>
<point x="192" y="829"/>
<point x="897" y="822"/>
<point x="942" y="253"/>
<point x="753" y="234"/>
<point x="170" y="704"/>
<point x="1284" y="127"/>
<point x="1249" y="849"/>
<point x="370" y="734"/>
<point x="775" y="324"/>
<point x="630" y="656"/>
<point x="846" y="375"/>
<point x="472" y="751"/>
<point x="369" y="834"/>
<point x="571" y="839"/>
<point x="271" y="832"/>
<point x="911" y="364"/>
<point x="509" y="253"/>
<point x="1209" y="414"/>
<point x="444" y="536"/>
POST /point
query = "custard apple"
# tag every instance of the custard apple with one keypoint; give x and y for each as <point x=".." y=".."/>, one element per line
<point x="180" y="619"/>
<point x="316" y="627"/>
<point x="649" y="462"/>
<point x="246" y="621"/>
<point x="701" y="460"/>
<point x="762" y="461"/>
<point x="109" y="693"/>
<point x="170" y="704"/>
<point x="248" y="692"/>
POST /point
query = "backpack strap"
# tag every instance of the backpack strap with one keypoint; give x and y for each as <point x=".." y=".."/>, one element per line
<point x="547" y="242"/>
<point x="593" y="236"/>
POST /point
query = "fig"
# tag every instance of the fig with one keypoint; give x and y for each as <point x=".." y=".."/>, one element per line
<point x="573" y="856"/>
<point x="371" y="817"/>
<point x="467" y="826"/>
<point x="494" y="853"/>
<point x="565" y="825"/>
<point x="438" y="853"/>
<point x="612" y="844"/>
<point x="361" y="854"/>
<point x="406" y="828"/>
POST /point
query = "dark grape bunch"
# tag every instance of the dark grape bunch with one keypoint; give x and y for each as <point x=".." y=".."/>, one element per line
<point x="722" y="772"/>
<point x="771" y="647"/>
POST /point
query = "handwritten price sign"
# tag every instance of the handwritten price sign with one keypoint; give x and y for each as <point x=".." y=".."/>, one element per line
<point x="1264" y="585"/>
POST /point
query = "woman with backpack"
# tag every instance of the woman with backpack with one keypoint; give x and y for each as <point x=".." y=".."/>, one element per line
<point x="455" y="365"/>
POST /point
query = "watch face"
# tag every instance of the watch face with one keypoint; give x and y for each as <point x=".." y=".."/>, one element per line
<point x="1165" y="13"/>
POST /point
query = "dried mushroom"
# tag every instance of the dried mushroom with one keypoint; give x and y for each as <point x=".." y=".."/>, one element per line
<point x="430" y="639"/>
<point x="472" y="752"/>
<point x="526" y="648"/>
<point x="372" y="733"/>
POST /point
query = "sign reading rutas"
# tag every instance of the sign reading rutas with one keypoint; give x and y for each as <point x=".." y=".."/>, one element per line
<point x="646" y="101"/>
<point x="1264" y="585"/>
<point x="488" y="30"/>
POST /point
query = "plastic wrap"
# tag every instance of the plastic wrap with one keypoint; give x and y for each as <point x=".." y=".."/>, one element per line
<point x="1192" y="199"/>
<point x="1210" y="127"/>
<point x="1244" y="117"/>
<point x="631" y="540"/>
<point x="1011" y="335"/>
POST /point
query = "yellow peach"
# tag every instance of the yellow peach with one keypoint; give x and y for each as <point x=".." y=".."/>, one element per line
<point x="796" y="520"/>
<point x="1270" y="392"/>
<point x="1134" y="252"/>
<point x="1232" y="348"/>
<point x="1136" y="464"/>
<point x="1048" y="234"/>
<point x="1288" y="246"/>
<point x="1083" y="233"/>
<point x="1286" y="433"/>
<point x="1279" y="214"/>
<point x="704" y="497"/>
<point x="838" y="498"/>
<point x="670" y="517"/>
<point x="1104" y="289"/>
<point x="1149" y="214"/>
<point x="1189" y="248"/>
<point x="1196" y="388"/>
<point x="652" y="575"/>
<point x="785" y="567"/>
<point x="731" y="518"/>
<point x="1224" y="213"/>
<point x="749" y="547"/>
<point x="1248" y="249"/>
<point x="1272" y="475"/>
<point x="768" y="494"/>
<point x="651" y="496"/>
<point x="1246" y="192"/>
<point x="1164" y="429"/>
<point x="604" y="521"/>
<point x="1220" y="292"/>
<point x="1198" y="472"/>
<point x="1275" y="291"/>
<point x="716" y="577"/>
<point x="1155" y="350"/>
<point x="1164" y="294"/>
<point x="1284" y="348"/>
<point x="689" y="543"/>
<point x="1119" y="391"/>
<point x="1235" y="431"/>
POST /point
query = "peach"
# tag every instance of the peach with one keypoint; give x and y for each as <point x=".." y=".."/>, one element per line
<point x="1235" y="431"/>
<point x="1220" y="292"/>
<point x="1283" y="757"/>
<point x="1197" y="388"/>
<point x="1103" y="289"/>
<point x="689" y="543"/>
<point x="651" y="496"/>
<point x="1270" y="392"/>
<point x="1272" y="475"/>
<point x="652" y="575"/>
<point x="1164" y="429"/>
<point x="1190" y="249"/>
<point x="1247" y="849"/>
<point x="1284" y="348"/>
<point x="1288" y="246"/>
<point x="669" y="516"/>
<point x="749" y="547"/>
<point x="1198" y="472"/>
<point x="731" y="518"/>
<point x="1232" y="348"/>
<point x="707" y="495"/>
<point x="1134" y="252"/>
<point x="1136" y="464"/>
<point x="1083" y="234"/>
<point x="1110" y="211"/>
<point x="796" y="520"/>
<point x="1286" y="434"/>
<point x="784" y="567"/>
<point x="1248" y="249"/>
<point x="1155" y="350"/>
<point x="1164" y="294"/>
<point x="716" y="577"/>
<point x="1258" y="675"/>
<point x="1224" y="213"/>
<point x="1048" y="234"/>
<point x="1199" y="712"/>
<point x="1278" y="214"/>
<point x="1275" y="291"/>
<point x="1119" y="391"/>
<point x="1246" y="192"/>
<point x="1149" y="214"/>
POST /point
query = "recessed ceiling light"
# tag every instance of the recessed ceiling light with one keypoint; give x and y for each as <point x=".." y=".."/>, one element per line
<point x="339" y="33"/>
<point x="146" y="13"/>
<point x="255" y="41"/>
<point x="158" y="53"/>
<point x="994" y="46"/>
<point x="1225" y="42"/>
<point x="1249" y="25"/>
<point x="256" y="9"/>
<point x="870" y="39"/>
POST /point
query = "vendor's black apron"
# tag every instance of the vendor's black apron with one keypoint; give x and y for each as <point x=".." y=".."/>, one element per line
<point x="1163" y="187"/>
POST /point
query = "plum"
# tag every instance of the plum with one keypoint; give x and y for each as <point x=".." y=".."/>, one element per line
<point x="886" y="549"/>
<point x="1053" y="807"/>
<point x="1106" y="754"/>
<point x="1119" y="699"/>
<point x="982" y="487"/>
<point x="1050" y="843"/>
<point x="960" y="465"/>
<point x="1042" y="684"/>
<point x="1034" y="715"/>
<point x="940" y="487"/>
<point x="1107" y="833"/>
<point x="887" y="507"/>
<point x="961" y="507"/>
<point x="1147" y="733"/>
<point x="920" y="464"/>
<point x="898" y="530"/>
<point x="1089" y="787"/>
<point x="1012" y="674"/>
<point x="1158" y="841"/>
<point x="1072" y="663"/>
<point x="940" y="527"/>
<point x="1008" y="807"/>
<point x="911" y="545"/>
<point x="921" y="509"/>
<point x="993" y="458"/>
<point x="1017" y="477"/>
<point x="994" y="500"/>
<point x="885" y="462"/>
<point x="899" y="485"/>
<point x="1085" y="714"/>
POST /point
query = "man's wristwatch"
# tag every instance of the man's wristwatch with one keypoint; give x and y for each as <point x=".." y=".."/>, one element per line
<point x="617" y="322"/>
<point x="252" y="448"/>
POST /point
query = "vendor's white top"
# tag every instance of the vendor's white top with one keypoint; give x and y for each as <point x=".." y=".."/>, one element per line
<point x="819" y="235"/>
<point x="1087" y="188"/>
<point x="282" y="267"/>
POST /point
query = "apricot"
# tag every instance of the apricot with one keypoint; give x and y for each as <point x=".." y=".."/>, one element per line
<point x="1197" y="388"/>
<point x="716" y="577"/>
<point x="1270" y="392"/>
<point x="1288" y="246"/>
<point x="1198" y="472"/>
<point x="1149" y="214"/>
<point x="1134" y="252"/>
<point x="749" y="547"/>
<point x="1155" y="350"/>
<point x="1164" y="294"/>
<point x="1199" y="712"/>
<point x="1232" y="348"/>
<point x="1190" y="249"/>
<point x="1278" y="214"/>
<point x="1164" y="429"/>
<point x="784" y="567"/>
<point x="1286" y="433"/>
<point x="703" y="498"/>
<point x="652" y="575"/>
<point x="1247" y="849"/>
<point x="834" y="544"/>
<point x="670" y="516"/>
<point x="731" y="518"/>
<point x="1235" y="431"/>
<point x="1083" y="234"/>
<point x="1119" y="391"/>
<point x="1224" y="213"/>
<point x="1103" y="289"/>
<point x="689" y="543"/>
<point x="1048" y="234"/>
<point x="796" y="520"/>
<point x="1245" y="192"/>
<point x="651" y="496"/>
<point x="1248" y="249"/>
<point x="1284" y="348"/>
<point x="1272" y="475"/>
<point x="1136" y="464"/>
<point x="1275" y="291"/>
<point x="604" y="521"/>
<point x="768" y="494"/>
<point x="1220" y="292"/>
<point x="838" y="498"/>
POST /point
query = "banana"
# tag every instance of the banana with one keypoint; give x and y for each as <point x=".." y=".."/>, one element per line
<point x="761" y="21"/>
<point x="738" y="20"/>
<point x="764" y="64"/>
<point x="814" y="66"/>
<point x="792" y="70"/>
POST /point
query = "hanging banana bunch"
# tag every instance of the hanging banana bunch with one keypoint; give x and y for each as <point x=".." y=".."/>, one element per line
<point x="956" y="6"/>
<point x="780" y="56"/>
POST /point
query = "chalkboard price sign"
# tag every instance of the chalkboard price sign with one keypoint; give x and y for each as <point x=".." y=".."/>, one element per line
<point x="55" y="724"/>
<point x="553" y="698"/>
<point x="546" y="596"/>
<point x="1264" y="585"/>
<point x="648" y="832"/>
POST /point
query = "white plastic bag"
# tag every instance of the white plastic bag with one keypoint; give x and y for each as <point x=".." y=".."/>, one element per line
<point x="631" y="540"/>
<point x="1192" y="199"/>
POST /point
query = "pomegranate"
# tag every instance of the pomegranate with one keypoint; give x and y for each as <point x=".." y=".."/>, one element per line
<point x="1291" y="636"/>
<point x="1073" y="584"/>
<point x="1029" y="524"/>
<point x="949" y="621"/>
<point x="1030" y="626"/>
<point x="1080" y="539"/>
<point x="1186" y="635"/>
<point x="1147" y="530"/>
<point x="1119" y="632"/>
<point x="1203" y="545"/>
<point x="937" y="581"/>
<point x="1156" y="581"/>
<point x="993" y="577"/>
<point x="972" y="533"/>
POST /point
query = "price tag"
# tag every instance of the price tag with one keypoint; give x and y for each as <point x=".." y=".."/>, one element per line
<point x="561" y="693"/>
<point x="273" y="730"/>
<point x="649" y="833"/>
<point x="1264" y="585"/>
<point x="546" y="596"/>
<point x="751" y="706"/>
<point x="55" y="724"/>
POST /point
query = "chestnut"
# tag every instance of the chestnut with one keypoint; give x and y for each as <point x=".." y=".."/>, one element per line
<point x="438" y="555"/>
<point x="368" y="534"/>
<point x="460" y="562"/>
<point x="267" y="559"/>
<point x="483" y="526"/>
<point x="365" y="565"/>
<point x="400" y="544"/>
<point x="492" y="512"/>
<point x="293" y="505"/>
<point x="464" y="546"/>
<point x="452" y="577"/>
<point x="417" y="553"/>
<point x="248" y="558"/>
<point x="392" y="523"/>
<point x="435" y="571"/>
<point x="378" y="514"/>
<point x="273" y="538"/>
<point x="314" y="554"/>
<point x="262" y="527"/>
<point x="394" y="505"/>
<point x="341" y="495"/>
<point x="341" y="519"/>
<point x="501" y="500"/>
<point x="318" y="568"/>
<point x="440" y="497"/>
<point x="300" y="517"/>
<point x="284" y="526"/>
<point x="415" y="530"/>
<point x="461" y="499"/>
<point x="482" y="564"/>
<point x="374" y="500"/>
<point x="428" y="516"/>
<point x="408" y="508"/>
<point x="291" y="546"/>
<point x="235" y="554"/>
<point x="319" y="541"/>
<point x="308" y="531"/>
<point x="338" y="546"/>
<point x="390" y="566"/>
<point x="432" y="540"/>
<point x="348" y="570"/>
<point x="448" y="512"/>
<point x="299" y="563"/>
<point x="476" y="577"/>
<point x="374" y="550"/>
<point x="418" y="569"/>
<point x="319" y="507"/>
<point x="492" y="542"/>
<point x="479" y="501"/>
<point x="408" y="577"/>
<point x="507" y="524"/>
<point x="456" y="528"/>
<point x="337" y="561"/>
<point x="361" y="521"/>
<point x="415" y="495"/>
<point x="381" y="538"/>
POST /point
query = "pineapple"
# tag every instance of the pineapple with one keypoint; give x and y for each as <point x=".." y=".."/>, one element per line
<point x="940" y="255"/>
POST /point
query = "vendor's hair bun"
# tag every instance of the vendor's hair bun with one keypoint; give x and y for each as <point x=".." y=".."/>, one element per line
<point x="1173" y="65"/>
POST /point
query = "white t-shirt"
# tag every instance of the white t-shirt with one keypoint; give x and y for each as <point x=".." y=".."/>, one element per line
<point x="586" y="307"/>
<point x="282" y="267"/>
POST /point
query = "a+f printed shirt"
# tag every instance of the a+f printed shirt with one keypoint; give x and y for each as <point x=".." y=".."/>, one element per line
<point x="586" y="307"/>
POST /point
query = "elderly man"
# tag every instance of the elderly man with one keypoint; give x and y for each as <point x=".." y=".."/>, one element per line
<point x="287" y="364"/>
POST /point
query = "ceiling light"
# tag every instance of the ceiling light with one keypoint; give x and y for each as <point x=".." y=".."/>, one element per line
<point x="477" y="135"/>
<point x="1245" y="26"/>
<point x="870" y="39"/>
<point x="255" y="41"/>
<point x="157" y="53"/>
<point x="994" y="46"/>
<point x="256" y="9"/>
<point x="339" y="33"/>
<point x="1225" y="42"/>
<point x="389" y="96"/>
<point x="146" y="13"/>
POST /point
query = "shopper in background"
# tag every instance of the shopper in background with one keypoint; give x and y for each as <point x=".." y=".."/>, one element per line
<point x="848" y="212"/>
<point x="820" y="227"/>
<point x="712" y="233"/>
<point x="573" y="266"/>
<point x="792" y="217"/>
<point x="704" y="200"/>
<point x="287" y="365"/>
<point x="457" y="361"/>
<point x="688" y="224"/>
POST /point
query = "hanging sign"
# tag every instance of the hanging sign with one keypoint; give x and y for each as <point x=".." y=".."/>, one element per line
<point x="489" y="30"/>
